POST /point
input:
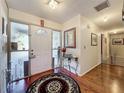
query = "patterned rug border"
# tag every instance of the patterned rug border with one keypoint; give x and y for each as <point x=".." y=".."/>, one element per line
<point x="51" y="75"/>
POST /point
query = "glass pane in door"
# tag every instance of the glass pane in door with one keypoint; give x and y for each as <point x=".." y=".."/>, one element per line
<point x="19" y="50"/>
<point x="56" y="44"/>
<point x="19" y="36"/>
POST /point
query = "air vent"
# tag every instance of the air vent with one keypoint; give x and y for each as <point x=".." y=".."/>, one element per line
<point x="102" y="6"/>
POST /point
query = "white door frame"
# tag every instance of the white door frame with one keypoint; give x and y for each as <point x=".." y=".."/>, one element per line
<point x="29" y="32"/>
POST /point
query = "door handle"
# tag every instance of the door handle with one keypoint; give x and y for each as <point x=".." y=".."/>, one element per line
<point x="32" y="56"/>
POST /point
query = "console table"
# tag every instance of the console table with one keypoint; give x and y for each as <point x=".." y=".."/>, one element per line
<point x="71" y="59"/>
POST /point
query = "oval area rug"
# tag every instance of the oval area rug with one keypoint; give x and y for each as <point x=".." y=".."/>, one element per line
<point x="54" y="83"/>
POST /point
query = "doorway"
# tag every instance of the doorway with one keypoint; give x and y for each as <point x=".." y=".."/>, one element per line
<point x="117" y="48"/>
<point x="32" y="52"/>
<point x="19" y="50"/>
<point x="112" y="47"/>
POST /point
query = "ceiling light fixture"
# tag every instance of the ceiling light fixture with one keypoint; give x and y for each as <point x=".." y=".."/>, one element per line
<point x="105" y="19"/>
<point x="53" y="4"/>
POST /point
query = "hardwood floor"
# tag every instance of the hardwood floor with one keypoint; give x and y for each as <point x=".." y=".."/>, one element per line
<point x="102" y="79"/>
<point x="105" y="79"/>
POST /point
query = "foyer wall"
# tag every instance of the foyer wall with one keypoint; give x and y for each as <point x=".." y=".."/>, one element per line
<point x="32" y="19"/>
<point x="89" y="56"/>
<point x="73" y="22"/>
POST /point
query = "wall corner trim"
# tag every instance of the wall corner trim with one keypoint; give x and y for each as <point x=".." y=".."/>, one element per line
<point x="89" y="70"/>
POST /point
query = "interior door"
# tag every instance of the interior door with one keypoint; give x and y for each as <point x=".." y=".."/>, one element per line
<point x="40" y="50"/>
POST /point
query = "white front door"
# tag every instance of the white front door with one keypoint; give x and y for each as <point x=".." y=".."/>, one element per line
<point x="40" y="50"/>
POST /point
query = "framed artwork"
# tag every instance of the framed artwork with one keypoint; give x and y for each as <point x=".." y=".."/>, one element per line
<point x="42" y="23"/>
<point x="3" y="25"/>
<point x="70" y="38"/>
<point x="117" y="41"/>
<point x="94" y="39"/>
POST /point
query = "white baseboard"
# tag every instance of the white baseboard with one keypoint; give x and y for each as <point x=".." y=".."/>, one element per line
<point x="89" y="70"/>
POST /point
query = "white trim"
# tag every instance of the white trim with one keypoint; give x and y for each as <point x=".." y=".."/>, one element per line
<point x="89" y="69"/>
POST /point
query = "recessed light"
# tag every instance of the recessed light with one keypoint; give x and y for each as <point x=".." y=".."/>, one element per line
<point x="105" y="19"/>
<point x="115" y="32"/>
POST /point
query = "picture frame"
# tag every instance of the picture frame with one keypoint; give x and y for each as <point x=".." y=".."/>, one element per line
<point x="42" y="23"/>
<point x="118" y="41"/>
<point x="70" y="38"/>
<point x="94" y="39"/>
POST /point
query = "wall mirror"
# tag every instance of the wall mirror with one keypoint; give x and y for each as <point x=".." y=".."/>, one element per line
<point x="70" y="38"/>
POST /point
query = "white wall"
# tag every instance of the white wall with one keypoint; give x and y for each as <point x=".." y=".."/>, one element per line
<point x="31" y="19"/>
<point x="90" y="56"/>
<point x="73" y="22"/>
<point x="3" y="52"/>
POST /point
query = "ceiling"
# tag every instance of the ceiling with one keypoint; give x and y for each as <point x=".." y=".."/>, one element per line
<point x="70" y="8"/>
